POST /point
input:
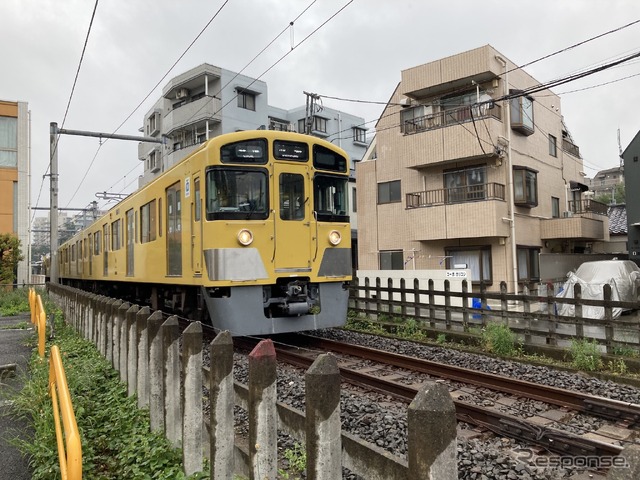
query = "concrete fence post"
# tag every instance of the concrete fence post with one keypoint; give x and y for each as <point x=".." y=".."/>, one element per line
<point x="112" y="347"/>
<point x="192" y="454"/>
<point x="156" y="369"/>
<point x="102" y="334"/>
<point x="91" y="325"/>
<point x="323" y="426"/>
<point x="124" y="342"/>
<point x="431" y="422"/>
<point x="132" y="350"/>
<point x="263" y="435"/>
<point x="629" y="468"/>
<point x="171" y="380"/>
<point x="120" y="318"/>
<point x="221" y="401"/>
<point x="142" y="344"/>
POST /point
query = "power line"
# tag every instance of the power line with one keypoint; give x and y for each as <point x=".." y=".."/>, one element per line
<point x="73" y="88"/>
<point x="149" y="94"/>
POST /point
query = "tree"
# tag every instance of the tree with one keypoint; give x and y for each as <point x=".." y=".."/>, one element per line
<point x="10" y="255"/>
<point x="617" y="198"/>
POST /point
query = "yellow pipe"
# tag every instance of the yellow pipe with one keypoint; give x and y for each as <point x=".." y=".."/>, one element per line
<point x="71" y="463"/>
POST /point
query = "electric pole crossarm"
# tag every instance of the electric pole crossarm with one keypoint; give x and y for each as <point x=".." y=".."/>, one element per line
<point x="83" y="133"/>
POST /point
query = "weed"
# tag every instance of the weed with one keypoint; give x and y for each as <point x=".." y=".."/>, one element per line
<point x="585" y="355"/>
<point x="13" y="302"/>
<point x="618" y="366"/>
<point x="364" y="324"/>
<point x="499" y="339"/>
<point x="17" y="326"/>
<point x="297" y="459"/>
<point x="441" y="338"/>
<point x="624" y="351"/>
<point x="410" y="329"/>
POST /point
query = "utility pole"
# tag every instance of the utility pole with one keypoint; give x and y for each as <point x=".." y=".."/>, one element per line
<point x="53" y="198"/>
<point x="312" y="98"/>
<point x="54" y="131"/>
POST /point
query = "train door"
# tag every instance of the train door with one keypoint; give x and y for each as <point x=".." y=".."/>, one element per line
<point x="105" y="256"/>
<point x="196" y="229"/>
<point x="130" y="241"/>
<point x="292" y="220"/>
<point x="174" y="230"/>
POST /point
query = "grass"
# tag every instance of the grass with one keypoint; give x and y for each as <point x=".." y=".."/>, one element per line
<point x="14" y="302"/>
<point x="499" y="339"/>
<point x="585" y="355"/>
<point x="116" y="438"/>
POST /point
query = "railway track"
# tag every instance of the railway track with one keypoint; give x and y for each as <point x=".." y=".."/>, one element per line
<point x="301" y="350"/>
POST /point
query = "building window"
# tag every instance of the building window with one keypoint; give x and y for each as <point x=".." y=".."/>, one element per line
<point x="412" y="119"/>
<point x="391" y="260"/>
<point x="522" y="114"/>
<point x="8" y="141"/>
<point x="152" y="124"/>
<point x="476" y="259"/>
<point x="528" y="264"/>
<point x="279" y="125"/>
<point x="553" y="146"/>
<point x="246" y="100"/>
<point x="467" y="184"/>
<point x="555" y="207"/>
<point x="359" y="135"/>
<point x="525" y="187"/>
<point x="318" y="125"/>
<point x="389" y="192"/>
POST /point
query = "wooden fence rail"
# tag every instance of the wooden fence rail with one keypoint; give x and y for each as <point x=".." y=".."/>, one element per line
<point x="534" y="318"/>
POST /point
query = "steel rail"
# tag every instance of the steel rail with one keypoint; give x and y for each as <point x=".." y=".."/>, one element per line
<point x="593" y="405"/>
<point x="553" y="440"/>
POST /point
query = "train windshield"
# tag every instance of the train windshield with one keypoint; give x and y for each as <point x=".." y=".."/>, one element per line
<point x="330" y="198"/>
<point x="237" y="194"/>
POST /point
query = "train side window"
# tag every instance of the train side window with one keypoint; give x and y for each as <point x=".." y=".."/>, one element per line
<point x="196" y="188"/>
<point x="115" y="235"/>
<point x="160" y="216"/>
<point x="96" y="243"/>
<point x="148" y="222"/>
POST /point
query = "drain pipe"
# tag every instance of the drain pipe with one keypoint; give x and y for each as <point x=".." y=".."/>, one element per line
<point x="512" y="207"/>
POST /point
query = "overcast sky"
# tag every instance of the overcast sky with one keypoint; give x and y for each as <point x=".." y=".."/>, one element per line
<point x="358" y="54"/>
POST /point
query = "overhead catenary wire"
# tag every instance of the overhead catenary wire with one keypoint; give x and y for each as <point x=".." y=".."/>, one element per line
<point x="66" y="112"/>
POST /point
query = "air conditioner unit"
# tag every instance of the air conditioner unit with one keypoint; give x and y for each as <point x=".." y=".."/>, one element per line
<point x="182" y="93"/>
<point x="405" y="102"/>
<point x="568" y="214"/>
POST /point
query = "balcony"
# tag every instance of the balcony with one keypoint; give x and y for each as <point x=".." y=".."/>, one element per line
<point x="570" y="148"/>
<point x="447" y="196"/>
<point x="205" y="108"/>
<point x="451" y="117"/>
<point x="588" y="206"/>
<point x="570" y="227"/>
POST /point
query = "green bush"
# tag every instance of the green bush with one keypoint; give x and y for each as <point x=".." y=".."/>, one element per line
<point x="499" y="339"/>
<point x="585" y="355"/>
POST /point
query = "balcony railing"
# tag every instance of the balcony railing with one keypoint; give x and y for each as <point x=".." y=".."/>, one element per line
<point x="445" y="196"/>
<point x="570" y="148"/>
<point x="588" y="206"/>
<point x="451" y="117"/>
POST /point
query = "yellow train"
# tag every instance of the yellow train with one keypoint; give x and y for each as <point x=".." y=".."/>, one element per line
<point x="250" y="232"/>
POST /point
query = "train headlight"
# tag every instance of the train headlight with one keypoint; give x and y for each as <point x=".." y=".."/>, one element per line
<point x="245" y="237"/>
<point x="334" y="237"/>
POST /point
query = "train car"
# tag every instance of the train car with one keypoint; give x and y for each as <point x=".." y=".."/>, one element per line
<point x="250" y="232"/>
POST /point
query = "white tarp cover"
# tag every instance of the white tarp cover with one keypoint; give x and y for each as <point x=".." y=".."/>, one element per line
<point x="622" y="275"/>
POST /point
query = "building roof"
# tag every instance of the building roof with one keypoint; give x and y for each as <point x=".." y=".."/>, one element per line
<point x="617" y="219"/>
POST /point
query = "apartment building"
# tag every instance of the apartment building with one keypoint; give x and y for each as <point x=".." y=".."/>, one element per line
<point x="207" y="101"/>
<point x="606" y="182"/>
<point x="460" y="177"/>
<point x="632" y="174"/>
<point x="14" y="177"/>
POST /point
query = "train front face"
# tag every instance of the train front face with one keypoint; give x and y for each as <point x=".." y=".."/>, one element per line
<point x="276" y="244"/>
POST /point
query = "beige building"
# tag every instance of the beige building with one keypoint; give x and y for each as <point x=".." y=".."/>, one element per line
<point x="459" y="176"/>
